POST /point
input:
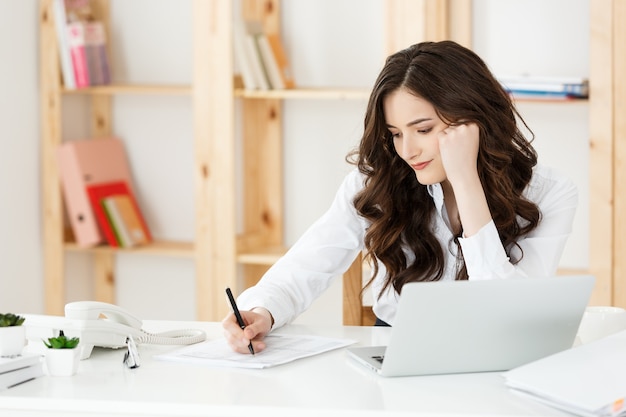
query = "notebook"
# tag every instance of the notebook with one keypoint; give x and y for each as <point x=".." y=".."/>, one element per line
<point x="479" y="326"/>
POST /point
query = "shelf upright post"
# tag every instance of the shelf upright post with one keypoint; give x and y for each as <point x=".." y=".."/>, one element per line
<point x="262" y="143"/>
<point x="101" y="127"/>
<point x="52" y="219"/>
<point x="619" y="68"/>
<point x="213" y="119"/>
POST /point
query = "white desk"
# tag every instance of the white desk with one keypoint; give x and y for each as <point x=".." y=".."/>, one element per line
<point x="328" y="384"/>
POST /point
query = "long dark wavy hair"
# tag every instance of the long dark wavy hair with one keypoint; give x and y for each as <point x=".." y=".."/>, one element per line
<point x="461" y="88"/>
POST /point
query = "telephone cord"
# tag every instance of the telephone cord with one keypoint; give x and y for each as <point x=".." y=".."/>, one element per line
<point x="172" y="337"/>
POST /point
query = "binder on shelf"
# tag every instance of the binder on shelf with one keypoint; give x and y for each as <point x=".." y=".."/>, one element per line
<point x="98" y="193"/>
<point x="83" y="163"/>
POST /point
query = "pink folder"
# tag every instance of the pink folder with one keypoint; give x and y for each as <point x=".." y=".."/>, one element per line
<point x="83" y="163"/>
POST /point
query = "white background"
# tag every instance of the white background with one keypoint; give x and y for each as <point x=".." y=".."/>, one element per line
<point x="330" y="43"/>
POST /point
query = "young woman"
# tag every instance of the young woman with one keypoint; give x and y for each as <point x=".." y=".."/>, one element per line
<point x="446" y="187"/>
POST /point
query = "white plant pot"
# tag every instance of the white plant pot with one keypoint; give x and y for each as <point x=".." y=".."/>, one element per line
<point x="62" y="362"/>
<point x="12" y="340"/>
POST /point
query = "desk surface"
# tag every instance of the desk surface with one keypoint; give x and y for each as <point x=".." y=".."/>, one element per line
<point x="327" y="383"/>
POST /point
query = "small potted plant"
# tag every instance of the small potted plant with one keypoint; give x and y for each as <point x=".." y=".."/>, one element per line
<point x="62" y="356"/>
<point x="12" y="335"/>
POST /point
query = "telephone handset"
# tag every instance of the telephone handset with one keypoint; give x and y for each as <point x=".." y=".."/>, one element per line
<point x="103" y="325"/>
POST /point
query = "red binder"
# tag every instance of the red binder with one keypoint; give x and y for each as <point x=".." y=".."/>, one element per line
<point x="97" y="192"/>
<point x="83" y="163"/>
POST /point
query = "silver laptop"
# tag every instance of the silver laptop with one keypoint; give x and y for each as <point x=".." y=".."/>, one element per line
<point x="479" y="326"/>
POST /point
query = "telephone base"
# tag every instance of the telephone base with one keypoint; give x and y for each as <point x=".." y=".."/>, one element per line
<point x="41" y="327"/>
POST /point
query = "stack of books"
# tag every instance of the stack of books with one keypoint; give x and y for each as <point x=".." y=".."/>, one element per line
<point x="549" y="88"/>
<point x="98" y="194"/>
<point x="82" y="45"/>
<point x="261" y="58"/>
<point x="19" y="369"/>
<point x="118" y="214"/>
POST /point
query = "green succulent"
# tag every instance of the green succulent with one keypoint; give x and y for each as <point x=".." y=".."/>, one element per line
<point x="10" y="319"/>
<point x="62" y="342"/>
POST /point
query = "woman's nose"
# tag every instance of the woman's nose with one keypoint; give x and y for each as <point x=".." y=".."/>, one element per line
<point x="410" y="148"/>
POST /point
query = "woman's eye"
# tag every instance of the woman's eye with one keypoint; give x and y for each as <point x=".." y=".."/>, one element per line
<point x="427" y="130"/>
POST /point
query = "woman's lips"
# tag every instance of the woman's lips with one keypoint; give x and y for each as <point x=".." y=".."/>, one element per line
<point x="420" y="166"/>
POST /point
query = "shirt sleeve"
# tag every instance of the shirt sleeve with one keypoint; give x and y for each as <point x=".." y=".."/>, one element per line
<point x="540" y="251"/>
<point x="323" y="252"/>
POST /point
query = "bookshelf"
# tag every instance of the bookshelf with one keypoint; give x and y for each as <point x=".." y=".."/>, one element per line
<point x="211" y="95"/>
<point x="220" y="253"/>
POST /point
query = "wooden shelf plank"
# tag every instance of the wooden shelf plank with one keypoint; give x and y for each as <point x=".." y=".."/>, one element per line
<point x="306" y="93"/>
<point x="159" y="247"/>
<point x="139" y="89"/>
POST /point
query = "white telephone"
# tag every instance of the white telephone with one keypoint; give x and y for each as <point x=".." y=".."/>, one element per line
<point x="103" y="325"/>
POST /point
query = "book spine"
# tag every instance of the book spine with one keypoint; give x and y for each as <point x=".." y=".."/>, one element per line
<point x="76" y="40"/>
<point x="254" y="27"/>
<point x="60" y="22"/>
<point x="91" y="51"/>
<point x="270" y="63"/>
<point x="130" y="219"/>
<point x="144" y="236"/>
<point x="117" y="223"/>
<point x="103" y="55"/>
<point x="106" y="226"/>
<point x="259" y="72"/>
<point x="282" y="61"/>
<point x="242" y="57"/>
<point x="95" y="41"/>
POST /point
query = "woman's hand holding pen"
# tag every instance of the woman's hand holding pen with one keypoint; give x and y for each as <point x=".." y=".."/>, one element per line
<point x="258" y="324"/>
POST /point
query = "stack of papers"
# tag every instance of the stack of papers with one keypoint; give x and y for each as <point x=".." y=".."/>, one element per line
<point x="280" y="349"/>
<point x="588" y="380"/>
<point x="19" y="369"/>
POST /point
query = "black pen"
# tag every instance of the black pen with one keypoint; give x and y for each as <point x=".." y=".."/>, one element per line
<point x="242" y="324"/>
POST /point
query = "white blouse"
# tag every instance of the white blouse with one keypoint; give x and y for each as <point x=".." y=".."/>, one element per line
<point x="331" y="244"/>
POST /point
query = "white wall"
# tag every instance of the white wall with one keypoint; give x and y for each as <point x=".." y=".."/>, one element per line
<point x="20" y="214"/>
<point x="346" y="51"/>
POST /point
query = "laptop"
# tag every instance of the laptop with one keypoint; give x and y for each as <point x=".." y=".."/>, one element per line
<point x="479" y="326"/>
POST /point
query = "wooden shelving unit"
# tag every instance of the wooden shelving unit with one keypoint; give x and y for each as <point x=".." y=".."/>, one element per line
<point x="213" y="248"/>
<point x="217" y="251"/>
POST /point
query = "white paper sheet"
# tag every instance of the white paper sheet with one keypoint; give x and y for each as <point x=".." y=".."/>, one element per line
<point x="280" y="349"/>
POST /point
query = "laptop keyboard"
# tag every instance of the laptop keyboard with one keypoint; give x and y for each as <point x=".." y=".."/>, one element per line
<point x="379" y="358"/>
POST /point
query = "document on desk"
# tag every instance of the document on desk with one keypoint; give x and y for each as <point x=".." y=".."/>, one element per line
<point x="281" y="349"/>
<point x="588" y="380"/>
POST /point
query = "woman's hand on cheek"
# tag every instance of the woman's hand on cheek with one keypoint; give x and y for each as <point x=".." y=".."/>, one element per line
<point x="458" y="145"/>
